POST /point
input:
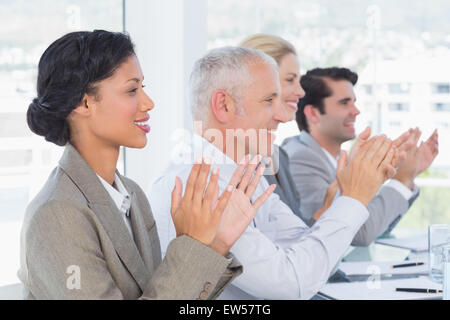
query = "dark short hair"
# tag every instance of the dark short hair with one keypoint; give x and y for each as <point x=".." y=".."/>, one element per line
<point x="316" y="90"/>
<point x="68" y="69"/>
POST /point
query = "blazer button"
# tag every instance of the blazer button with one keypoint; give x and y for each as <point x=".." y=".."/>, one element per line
<point x="203" y="295"/>
<point x="208" y="286"/>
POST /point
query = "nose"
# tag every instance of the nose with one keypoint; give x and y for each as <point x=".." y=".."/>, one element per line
<point x="146" y="103"/>
<point x="355" y="110"/>
<point x="299" y="90"/>
<point x="279" y="111"/>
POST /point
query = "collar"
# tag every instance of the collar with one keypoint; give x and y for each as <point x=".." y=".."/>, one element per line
<point x="120" y="196"/>
<point x="332" y="159"/>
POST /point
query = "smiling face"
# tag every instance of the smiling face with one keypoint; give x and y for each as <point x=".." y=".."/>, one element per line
<point x="338" y="122"/>
<point x="291" y="91"/>
<point x="263" y="110"/>
<point x="119" y="109"/>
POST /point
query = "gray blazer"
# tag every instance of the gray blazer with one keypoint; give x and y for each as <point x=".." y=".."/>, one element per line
<point x="73" y="230"/>
<point x="283" y="179"/>
<point x="313" y="172"/>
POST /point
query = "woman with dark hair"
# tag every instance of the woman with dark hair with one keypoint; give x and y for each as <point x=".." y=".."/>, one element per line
<point x="90" y="232"/>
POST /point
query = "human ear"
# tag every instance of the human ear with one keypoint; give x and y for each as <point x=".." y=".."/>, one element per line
<point x="83" y="109"/>
<point x="223" y="106"/>
<point x="311" y="114"/>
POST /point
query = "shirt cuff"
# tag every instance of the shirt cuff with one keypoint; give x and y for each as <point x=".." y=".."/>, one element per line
<point x="402" y="189"/>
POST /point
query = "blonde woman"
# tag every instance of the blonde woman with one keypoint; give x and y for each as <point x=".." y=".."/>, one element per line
<point x="286" y="57"/>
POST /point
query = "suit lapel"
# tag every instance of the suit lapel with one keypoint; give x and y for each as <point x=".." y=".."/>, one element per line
<point x="148" y="247"/>
<point x="309" y="141"/>
<point x="105" y="209"/>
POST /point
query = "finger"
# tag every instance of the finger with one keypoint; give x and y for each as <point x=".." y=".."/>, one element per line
<point x="200" y="184"/>
<point x="386" y="163"/>
<point x="176" y="196"/>
<point x="402" y="139"/>
<point x="237" y="176"/>
<point x="190" y="184"/>
<point x="416" y="137"/>
<point x="360" y="140"/>
<point x="262" y="198"/>
<point x="255" y="180"/>
<point x="399" y="157"/>
<point x="210" y="192"/>
<point x="372" y="152"/>
<point x="249" y="173"/>
<point x="342" y="161"/>
<point x="363" y="136"/>
<point x="216" y="197"/>
<point x="390" y="171"/>
<point x="363" y="151"/>
<point x="223" y="201"/>
<point x="382" y="151"/>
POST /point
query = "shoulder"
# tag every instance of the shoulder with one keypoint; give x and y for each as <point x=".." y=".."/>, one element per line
<point x="59" y="207"/>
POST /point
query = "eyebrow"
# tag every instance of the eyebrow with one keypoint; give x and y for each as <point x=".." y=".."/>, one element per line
<point x="345" y="100"/>
<point x="272" y="95"/>
<point x="134" y="79"/>
<point x="293" y="74"/>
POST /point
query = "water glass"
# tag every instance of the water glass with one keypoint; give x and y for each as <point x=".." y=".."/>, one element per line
<point x="438" y="238"/>
<point x="446" y="272"/>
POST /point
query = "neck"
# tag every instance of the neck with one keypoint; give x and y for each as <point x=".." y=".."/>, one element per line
<point x="228" y="145"/>
<point x="101" y="158"/>
<point x="333" y="147"/>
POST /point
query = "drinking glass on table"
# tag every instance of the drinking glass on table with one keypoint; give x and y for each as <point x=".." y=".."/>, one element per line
<point x="438" y="238"/>
<point x="446" y="272"/>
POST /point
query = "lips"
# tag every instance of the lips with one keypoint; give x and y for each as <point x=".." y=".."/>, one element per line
<point x="292" y="105"/>
<point x="143" y="124"/>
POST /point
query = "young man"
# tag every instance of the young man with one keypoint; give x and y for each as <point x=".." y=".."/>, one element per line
<point x="326" y="117"/>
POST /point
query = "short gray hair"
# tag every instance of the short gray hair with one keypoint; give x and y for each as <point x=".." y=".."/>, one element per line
<point x="224" y="68"/>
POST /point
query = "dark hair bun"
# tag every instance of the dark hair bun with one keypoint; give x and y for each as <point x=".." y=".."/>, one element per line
<point x="44" y="122"/>
<point x="68" y="69"/>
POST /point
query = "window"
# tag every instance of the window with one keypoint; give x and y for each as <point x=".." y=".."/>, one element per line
<point x="441" y="88"/>
<point x="378" y="39"/>
<point x="441" y="107"/>
<point x="28" y="27"/>
<point x="395" y="123"/>
<point x="398" y="88"/>
<point x="398" y="106"/>
<point x="367" y="88"/>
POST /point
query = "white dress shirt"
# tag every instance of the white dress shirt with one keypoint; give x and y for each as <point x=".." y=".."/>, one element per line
<point x="282" y="257"/>
<point x="397" y="185"/>
<point x="121" y="198"/>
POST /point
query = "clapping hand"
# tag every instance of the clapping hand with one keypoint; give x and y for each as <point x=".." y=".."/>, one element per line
<point x="197" y="214"/>
<point x="369" y="169"/>
<point x="240" y="211"/>
<point x="217" y="222"/>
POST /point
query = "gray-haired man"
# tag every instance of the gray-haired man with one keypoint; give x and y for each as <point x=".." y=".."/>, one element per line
<point x="235" y="100"/>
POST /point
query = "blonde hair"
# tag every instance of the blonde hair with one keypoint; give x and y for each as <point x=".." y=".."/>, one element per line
<point x="274" y="46"/>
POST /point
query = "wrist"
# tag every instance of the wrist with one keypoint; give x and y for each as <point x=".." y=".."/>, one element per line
<point x="407" y="182"/>
<point x="359" y="197"/>
<point x="219" y="247"/>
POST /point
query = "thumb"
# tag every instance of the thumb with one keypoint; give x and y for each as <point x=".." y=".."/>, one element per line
<point x="365" y="134"/>
<point x="342" y="162"/>
<point x="176" y="196"/>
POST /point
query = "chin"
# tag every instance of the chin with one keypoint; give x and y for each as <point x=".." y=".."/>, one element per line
<point x="291" y="115"/>
<point x="137" y="143"/>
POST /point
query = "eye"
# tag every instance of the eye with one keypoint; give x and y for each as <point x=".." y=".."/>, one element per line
<point x="290" y="80"/>
<point x="134" y="90"/>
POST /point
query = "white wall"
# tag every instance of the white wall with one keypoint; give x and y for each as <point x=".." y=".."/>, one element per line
<point x="169" y="37"/>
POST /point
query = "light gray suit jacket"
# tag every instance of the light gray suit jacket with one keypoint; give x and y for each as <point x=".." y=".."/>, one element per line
<point x="283" y="179"/>
<point x="73" y="231"/>
<point x="313" y="172"/>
